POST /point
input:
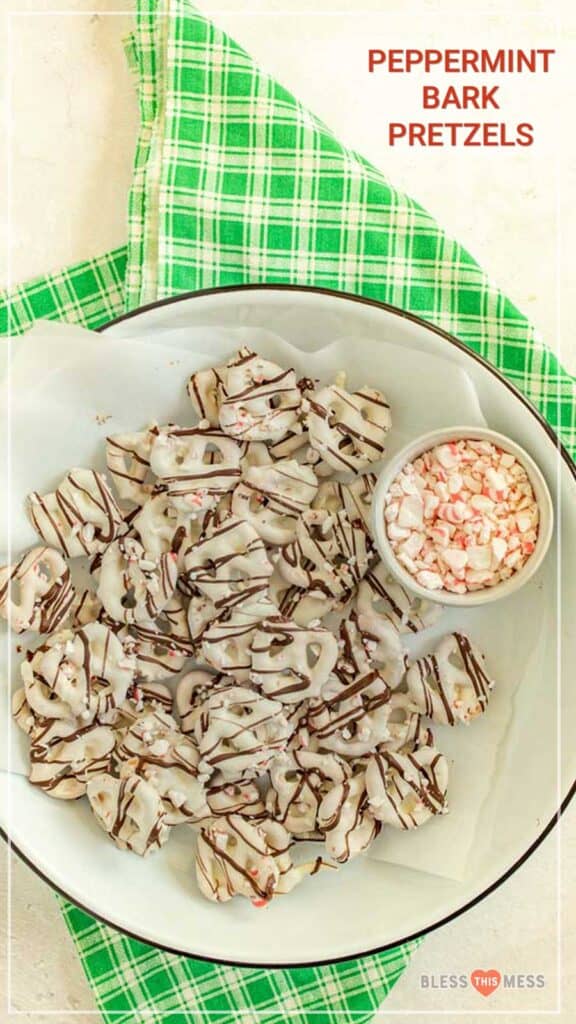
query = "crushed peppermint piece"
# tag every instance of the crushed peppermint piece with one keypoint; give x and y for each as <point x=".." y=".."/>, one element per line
<point x="462" y="516"/>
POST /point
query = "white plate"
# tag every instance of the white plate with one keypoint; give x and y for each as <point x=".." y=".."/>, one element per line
<point x="370" y="904"/>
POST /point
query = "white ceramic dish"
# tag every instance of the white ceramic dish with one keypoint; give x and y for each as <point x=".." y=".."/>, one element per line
<point x="541" y="492"/>
<point x="369" y="905"/>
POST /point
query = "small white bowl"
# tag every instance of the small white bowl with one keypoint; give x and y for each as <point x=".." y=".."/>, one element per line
<point x="418" y="447"/>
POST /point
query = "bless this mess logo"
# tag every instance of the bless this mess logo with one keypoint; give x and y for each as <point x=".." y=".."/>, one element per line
<point x="485" y="982"/>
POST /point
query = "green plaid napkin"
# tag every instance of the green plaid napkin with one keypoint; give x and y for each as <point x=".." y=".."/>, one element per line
<point x="235" y="182"/>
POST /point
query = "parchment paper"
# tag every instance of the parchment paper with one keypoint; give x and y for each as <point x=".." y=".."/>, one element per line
<point x="70" y="388"/>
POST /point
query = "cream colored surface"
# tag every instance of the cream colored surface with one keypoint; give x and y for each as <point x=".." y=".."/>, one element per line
<point x="72" y="120"/>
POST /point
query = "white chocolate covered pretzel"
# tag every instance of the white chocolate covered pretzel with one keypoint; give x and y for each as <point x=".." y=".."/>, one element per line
<point x="289" y="662"/>
<point x="197" y="465"/>
<point x="22" y="712"/>
<point x="65" y="755"/>
<point x="131" y="811"/>
<point x="354" y="652"/>
<point x="255" y="453"/>
<point x="406" y="728"/>
<point x="201" y="612"/>
<point x="348" y="429"/>
<point x="126" y="532"/>
<point x="362" y="650"/>
<point x="142" y="696"/>
<point x="280" y="844"/>
<point x="271" y="498"/>
<point x="237" y="857"/>
<point x="36" y="592"/>
<point x="128" y="461"/>
<point x="297" y="603"/>
<point x="154" y="749"/>
<point x="239" y="731"/>
<point x="259" y="401"/>
<point x="192" y="690"/>
<point x="381" y="599"/>
<point x="450" y="686"/>
<point x="227" y="644"/>
<point x="352" y="718"/>
<point x="80" y="517"/>
<point x="204" y="392"/>
<point x="229" y="565"/>
<point x="346" y="819"/>
<point x="132" y="586"/>
<point x="355" y="497"/>
<point x="406" y="790"/>
<point x="241" y="797"/>
<point x="329" y="554"/>
<point x="82" y="674"/>
<point x="233" y="858"/>
<point x="294" y="445"/>
<point x="162" y="527"/>
<point x="299" y="780"/>
<point x="87" y="608"/>
<point x="64" y="752"/>
<point x="163" y="646"/>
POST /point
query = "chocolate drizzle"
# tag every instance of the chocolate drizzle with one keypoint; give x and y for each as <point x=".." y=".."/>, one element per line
<point x="36" y="593"/>
<point x="238" y="731"/>
<point x="381" y="596"/>
<point x="450" y="685"/>
<point x="128" y="461"/>
<point x="272" y="497"/>
<point x="163" y="646"/>
<point x="130" y="811"/>
<point x="348" y="429"/>
<point x="134" y="587"/>
<point x="290" y="662"/>
<point x="299" y="781"/>
<point x="233" y="858"/>
<point x="329" y="554"/>
<point x="229" y="565"/>
<point x="154" y="748"/>
<point x="346" y="819"/>
<point x="84" y="673"/>
<point x="81" y="517"/>
<point x="204" y="390"/>
<point x="259" y="401"/>
<point x="405" y="790"/>
<point x="64" y="756"/>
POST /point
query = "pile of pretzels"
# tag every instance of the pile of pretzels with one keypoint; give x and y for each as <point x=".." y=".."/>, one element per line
<point x="237" y="664"/>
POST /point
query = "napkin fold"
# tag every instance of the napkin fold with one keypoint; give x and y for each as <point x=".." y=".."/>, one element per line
<point x="236" y="182"/>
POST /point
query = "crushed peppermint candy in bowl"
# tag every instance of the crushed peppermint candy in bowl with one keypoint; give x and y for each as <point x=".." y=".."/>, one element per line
<point x="462" y="516"/>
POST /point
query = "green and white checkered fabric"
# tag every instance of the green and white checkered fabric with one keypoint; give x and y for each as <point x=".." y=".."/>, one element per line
<point x="128" y="976"/>
<point x="89" y="293"/>
<point x="235" y="182"/>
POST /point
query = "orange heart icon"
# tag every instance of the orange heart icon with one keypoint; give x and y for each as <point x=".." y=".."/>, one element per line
<point x="486" y="982"/>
